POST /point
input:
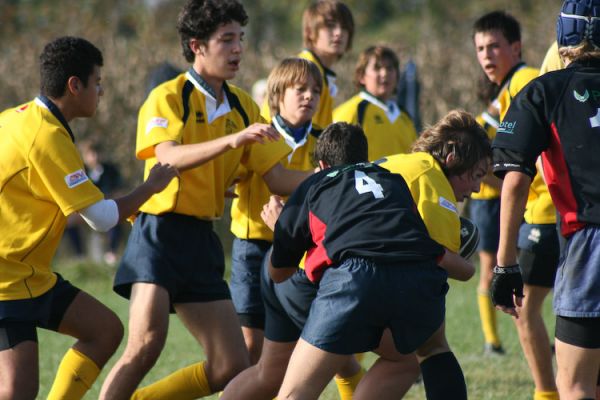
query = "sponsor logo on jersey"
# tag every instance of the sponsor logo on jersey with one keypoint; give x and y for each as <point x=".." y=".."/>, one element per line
<point x="23" y="108"/>
<point x="378" y="119"/>
<point x="76" y="178"/>
<point x="199" y="117"/>
<point x="581" y="98"/>
<point x="448" y="205"/>
<point x="507" y="127"/>
<point x="230" y="127"/>
<point x="156" y="122"/>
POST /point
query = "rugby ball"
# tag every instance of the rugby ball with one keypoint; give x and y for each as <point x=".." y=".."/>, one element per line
<point x="469" y="237"/>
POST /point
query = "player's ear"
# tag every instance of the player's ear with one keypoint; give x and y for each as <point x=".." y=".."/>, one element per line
<point x="197" y="46"/>
<point x="450" y="159"/>
<point x="73" y="85"/>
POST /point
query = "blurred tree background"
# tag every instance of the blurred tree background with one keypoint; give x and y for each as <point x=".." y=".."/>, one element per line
<point x="136" y="35"/>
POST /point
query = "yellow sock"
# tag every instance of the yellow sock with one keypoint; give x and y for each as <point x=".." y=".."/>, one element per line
<point x="187" y="383"/>
<point x="487" y="313"/>
<point x="545" y="395"/>
<point x="347" y="386"/>
<point x="76" y="374"/>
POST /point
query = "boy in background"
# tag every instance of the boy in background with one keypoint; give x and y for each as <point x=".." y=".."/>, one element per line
<point x="497" y="38"/>
<point x="327" y="32"/>
<point x="389" y="129"/>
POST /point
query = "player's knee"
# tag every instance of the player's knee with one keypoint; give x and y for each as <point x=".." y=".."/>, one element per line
<point x="225" y="370"/>
<point x="112" y="335"/>
<point x="143" y="351"/>
<point x="270" y="375"/>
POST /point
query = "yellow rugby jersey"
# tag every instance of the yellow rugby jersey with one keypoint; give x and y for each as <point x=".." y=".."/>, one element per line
<point x="490" y="124"/>
<point x="42" y="180"/>
<point x="324" y="113"/>
<point x="552" y="60"/>
<point x="432" y="193"/>
<point x="253" y="193"/>
<point x="185" y="110"/>
<point x="539" y="208"/>
<point x="388" y="129"/>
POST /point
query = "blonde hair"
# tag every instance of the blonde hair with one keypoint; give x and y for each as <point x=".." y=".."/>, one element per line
<point x="288" y="73"/>
<point x="319" y="13"/>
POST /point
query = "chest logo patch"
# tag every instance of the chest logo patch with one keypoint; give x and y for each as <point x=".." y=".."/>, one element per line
<point x="76" y="178"/>
<point x="581" y="98"/>
<point x="447" y="204"/>
<point x="595" y="120"/>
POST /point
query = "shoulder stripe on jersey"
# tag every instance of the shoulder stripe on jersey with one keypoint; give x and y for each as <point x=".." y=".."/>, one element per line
<point x="234" y="102"/>
<point x="362" y="109"/>
<point x="188" y="87"/>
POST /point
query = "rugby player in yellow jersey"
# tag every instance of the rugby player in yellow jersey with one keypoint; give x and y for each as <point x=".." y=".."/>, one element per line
<point x="389" y="129"/>
<point x="327" y="32"/>
<point x="42" y="182"/>
<point x="293" y="90"/>
<point x="173" y="260"/>
<point x="498" y="45"/>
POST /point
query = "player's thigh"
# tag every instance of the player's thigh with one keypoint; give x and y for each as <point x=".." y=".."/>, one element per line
<point x="309" y="371"/>
<point x="87" y="319"/>
<point x="148" y="315"/>
<point x="274" y="359"/>
<point x="14" y="362"/>
<point x="436" y="344"/>
<point x="577" y="366"/>
<point x="216" y="327"/>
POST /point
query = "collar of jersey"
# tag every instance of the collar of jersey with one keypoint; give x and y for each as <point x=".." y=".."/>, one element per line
<point x="285" y="131"/>
<point x="326" y="70"/>
<point x="213" y="110"/>
<point x="510" y="74"/>
<point x="46" y="103"/>
<point x="391" y="109"/>
<point x="591" y="62"/>
<point x="330" y="76"/>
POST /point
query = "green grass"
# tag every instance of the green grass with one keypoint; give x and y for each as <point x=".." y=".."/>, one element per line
<point x="505" y="377"/>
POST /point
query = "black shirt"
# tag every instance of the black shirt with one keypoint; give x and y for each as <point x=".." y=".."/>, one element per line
<point x="558" y="116"/>
<point x="359" y="210"/>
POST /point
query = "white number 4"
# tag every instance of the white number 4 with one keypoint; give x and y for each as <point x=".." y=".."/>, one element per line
<point x="365" y="184"/>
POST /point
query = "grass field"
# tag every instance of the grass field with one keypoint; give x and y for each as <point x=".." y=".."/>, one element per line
<point x="495" y="377"/>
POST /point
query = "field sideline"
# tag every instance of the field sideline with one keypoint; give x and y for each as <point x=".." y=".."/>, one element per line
<point x="488" y="378"/>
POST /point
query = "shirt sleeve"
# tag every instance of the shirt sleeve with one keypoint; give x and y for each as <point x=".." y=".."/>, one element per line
<point x="159" y="120"/>
<point x="292" y="237"/>
<point x="523" y="133"/>
<point x="56" y="162"/>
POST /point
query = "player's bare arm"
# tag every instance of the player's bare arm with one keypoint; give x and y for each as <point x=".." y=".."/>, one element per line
<point x="159" y="177"/>
<point x="515" y="189"/>
<point x="188" y="156"/>
<point x="457" y="267"/>
<point x="283" y="181"/>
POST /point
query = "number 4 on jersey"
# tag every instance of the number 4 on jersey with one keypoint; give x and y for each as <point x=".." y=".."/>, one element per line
<point x="366" y="184"/>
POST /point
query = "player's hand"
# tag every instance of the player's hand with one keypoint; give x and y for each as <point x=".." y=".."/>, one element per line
<point x="507" y="289"/>
<point x="271" y="211"/>
<point x="160" y="175"/>
<point x="255" y="133"/>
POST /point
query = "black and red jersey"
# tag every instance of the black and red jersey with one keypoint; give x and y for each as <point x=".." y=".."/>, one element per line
<point x="558" y="116"/>
<point x="359" y="210"/>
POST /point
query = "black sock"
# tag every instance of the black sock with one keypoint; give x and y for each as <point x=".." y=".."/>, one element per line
<point x="443" y="378"/>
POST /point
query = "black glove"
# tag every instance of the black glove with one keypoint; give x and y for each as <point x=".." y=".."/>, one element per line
<point x="506" y="282"/>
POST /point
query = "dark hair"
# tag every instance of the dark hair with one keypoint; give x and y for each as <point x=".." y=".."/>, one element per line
<point x="379" y="53"/>
<point x="341" y="143"/>
<point x="321" y="12"/>
<point x="457" y="133"/>
<point x="199" y="19"/>
<point x="288" y="73"/>
<point x="63" y="58"/>
<point x="499" y="21"/>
